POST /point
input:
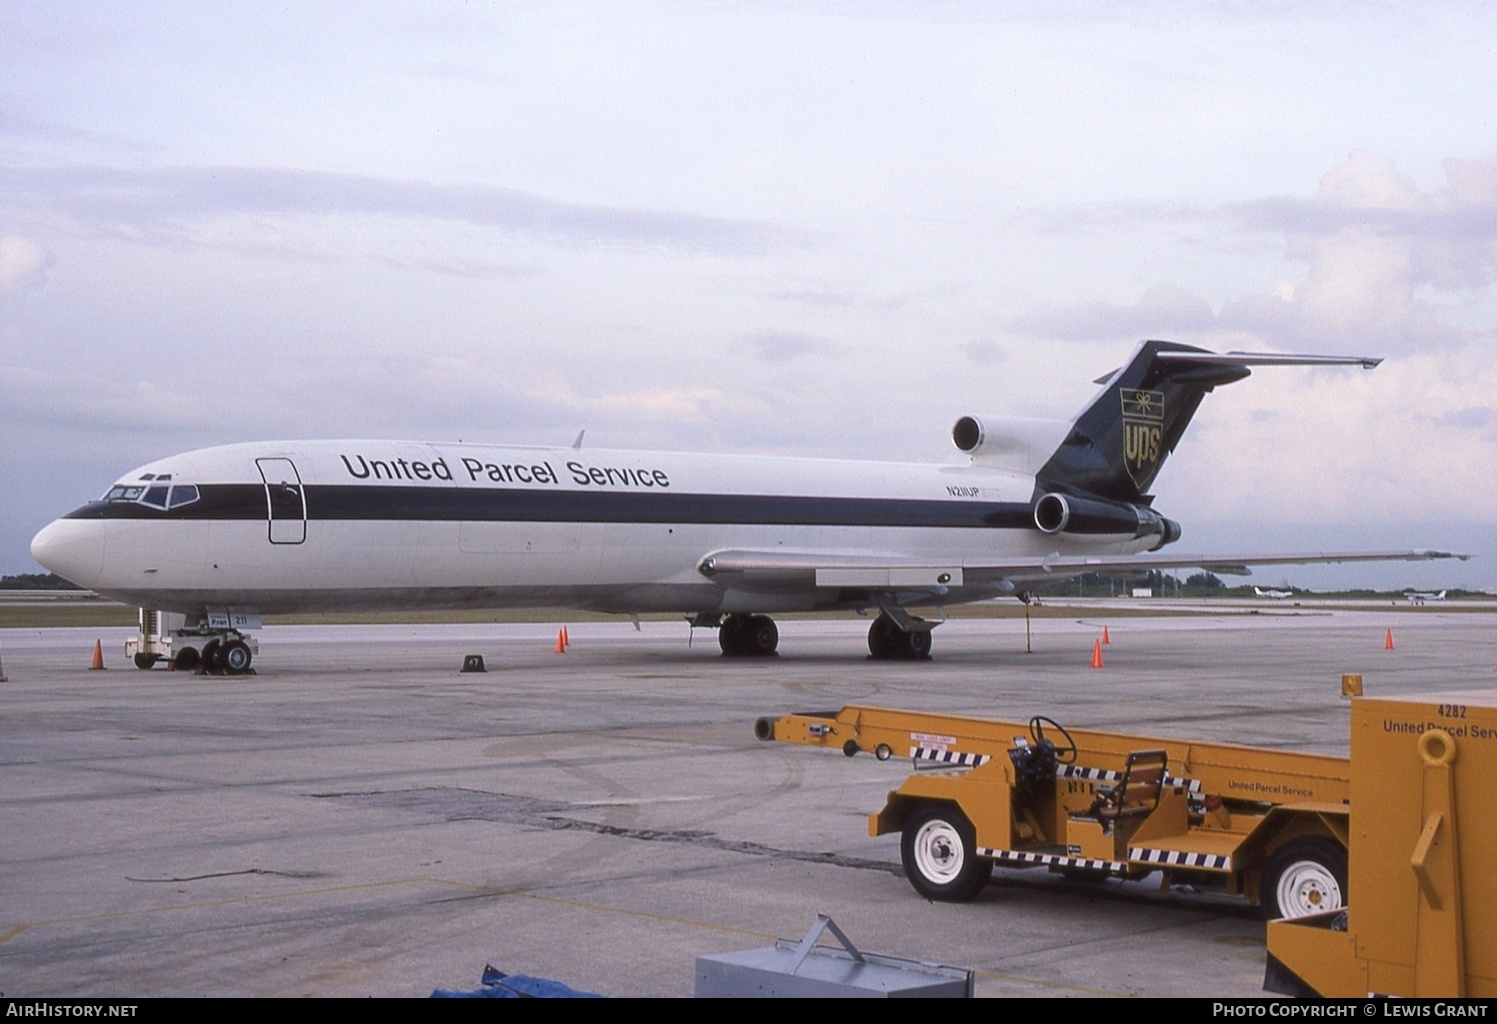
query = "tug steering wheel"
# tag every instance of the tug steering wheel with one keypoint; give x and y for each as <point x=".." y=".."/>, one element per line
<point x="1063" y="754"/>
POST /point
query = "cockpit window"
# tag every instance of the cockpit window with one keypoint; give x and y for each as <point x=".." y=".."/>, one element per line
<point x="183" y="494"/>
<point x="160" y="494"/>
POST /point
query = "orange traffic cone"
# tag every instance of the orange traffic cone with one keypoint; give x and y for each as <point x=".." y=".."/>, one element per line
<point x="561" y="647"/>
<point x="1388" y="643"/>
<point x="1097" y="654"/>
<point x="98" y="655"/>
<point x="1105" y="638"/>
<point x="566" y="638"/>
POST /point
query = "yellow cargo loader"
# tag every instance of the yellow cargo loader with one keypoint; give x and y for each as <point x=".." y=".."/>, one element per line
<point x="1423" y="852"/>
<point x="1268" y="825"/>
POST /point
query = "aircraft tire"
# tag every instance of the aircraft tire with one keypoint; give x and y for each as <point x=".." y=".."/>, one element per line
<point x="917" y="644"/>
<point x="881" y="638"/>
<point x="887" y="642"/>
<point x="730" y="635"/>
<point x="213" y="658"/>
<point x="939" y="851"/>
<point x="761" y="637"/>
<point x="236" y="657"/>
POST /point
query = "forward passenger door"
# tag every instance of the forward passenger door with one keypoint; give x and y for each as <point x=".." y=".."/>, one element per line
<point x="286" y="504"/>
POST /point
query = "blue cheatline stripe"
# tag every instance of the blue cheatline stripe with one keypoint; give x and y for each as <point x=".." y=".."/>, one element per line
<point x="537" y="505"/>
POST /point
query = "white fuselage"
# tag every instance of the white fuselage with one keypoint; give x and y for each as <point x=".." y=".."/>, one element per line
<point x="295" y="526"/>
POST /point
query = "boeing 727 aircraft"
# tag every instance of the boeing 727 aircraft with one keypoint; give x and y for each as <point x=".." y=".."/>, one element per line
<point x="223" y="535"/>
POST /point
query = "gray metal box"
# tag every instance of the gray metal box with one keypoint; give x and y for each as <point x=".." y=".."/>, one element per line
<point x="805" y="970"/>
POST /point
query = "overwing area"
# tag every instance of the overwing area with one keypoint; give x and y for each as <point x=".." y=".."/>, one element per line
<point x="772" y="570"/>
<point x="893" y="584"/>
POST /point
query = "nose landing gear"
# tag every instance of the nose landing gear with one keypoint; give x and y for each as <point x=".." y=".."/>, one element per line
<point x="215" y="648"/>
<point x="227" y="655"/>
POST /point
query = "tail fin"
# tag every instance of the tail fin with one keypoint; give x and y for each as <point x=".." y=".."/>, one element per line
<point x="1117" y="445"/>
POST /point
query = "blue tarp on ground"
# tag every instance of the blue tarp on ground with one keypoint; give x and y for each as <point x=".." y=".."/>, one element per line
<point x="495" y="984"/>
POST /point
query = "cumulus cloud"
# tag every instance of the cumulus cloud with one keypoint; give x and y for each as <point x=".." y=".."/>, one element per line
<point x="23" y="266"/>
<point x="1372" y="264"/>
<point x="1382" y="256"/>
<point x="1405" y="442"/>
<point x="1385" y="264"/>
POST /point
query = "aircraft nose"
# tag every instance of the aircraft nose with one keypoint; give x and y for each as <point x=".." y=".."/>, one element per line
<point x="72" y="548"/>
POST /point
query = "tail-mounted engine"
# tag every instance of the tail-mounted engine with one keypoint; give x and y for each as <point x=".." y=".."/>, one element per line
<point x="1008" y="442"/>
<point x="1084" y="518"/>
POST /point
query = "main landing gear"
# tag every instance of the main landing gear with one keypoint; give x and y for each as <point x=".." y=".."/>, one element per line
<point x="887" y="642"/>
<point x="756" y="636"/>
<point x="748" y="636"/>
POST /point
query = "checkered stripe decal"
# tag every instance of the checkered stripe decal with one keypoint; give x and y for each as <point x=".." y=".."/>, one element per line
<point x="1053" y="859"/>
<point x="1136" y="854"/>
<point x="951" y="757"/>
<point x="1071" y="771"/>
<point x="1181" y="858"/>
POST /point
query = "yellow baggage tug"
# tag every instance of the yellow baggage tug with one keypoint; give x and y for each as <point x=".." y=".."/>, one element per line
<point x="1272" y="826"/>
<point x="1269" y="825"/>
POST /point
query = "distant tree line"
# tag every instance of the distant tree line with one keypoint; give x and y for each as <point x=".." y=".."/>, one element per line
<point x="36" y="581"/>
<point x="1204" y="584"/>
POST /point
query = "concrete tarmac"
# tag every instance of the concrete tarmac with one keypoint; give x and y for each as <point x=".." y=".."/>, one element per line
<point x="360" y="819"/>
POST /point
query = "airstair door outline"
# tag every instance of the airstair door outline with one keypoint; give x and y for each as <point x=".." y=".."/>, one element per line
<point x="286" y="503"/>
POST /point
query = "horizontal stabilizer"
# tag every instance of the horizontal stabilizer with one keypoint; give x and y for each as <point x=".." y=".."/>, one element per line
<point x="1266" y="359"/>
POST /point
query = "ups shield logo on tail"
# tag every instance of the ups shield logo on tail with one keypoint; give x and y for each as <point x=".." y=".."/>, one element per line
<point x="1143" y="433"/>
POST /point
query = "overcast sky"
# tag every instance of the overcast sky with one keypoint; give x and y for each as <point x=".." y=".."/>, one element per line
<point x="811" y="229"/>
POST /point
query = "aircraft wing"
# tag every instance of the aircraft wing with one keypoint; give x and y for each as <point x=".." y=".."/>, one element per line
<point x="1229" y="565"/>
<point x="776" y="570"/>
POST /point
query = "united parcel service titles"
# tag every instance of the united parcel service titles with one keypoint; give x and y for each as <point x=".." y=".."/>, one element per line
<point x="579" y="473"/>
